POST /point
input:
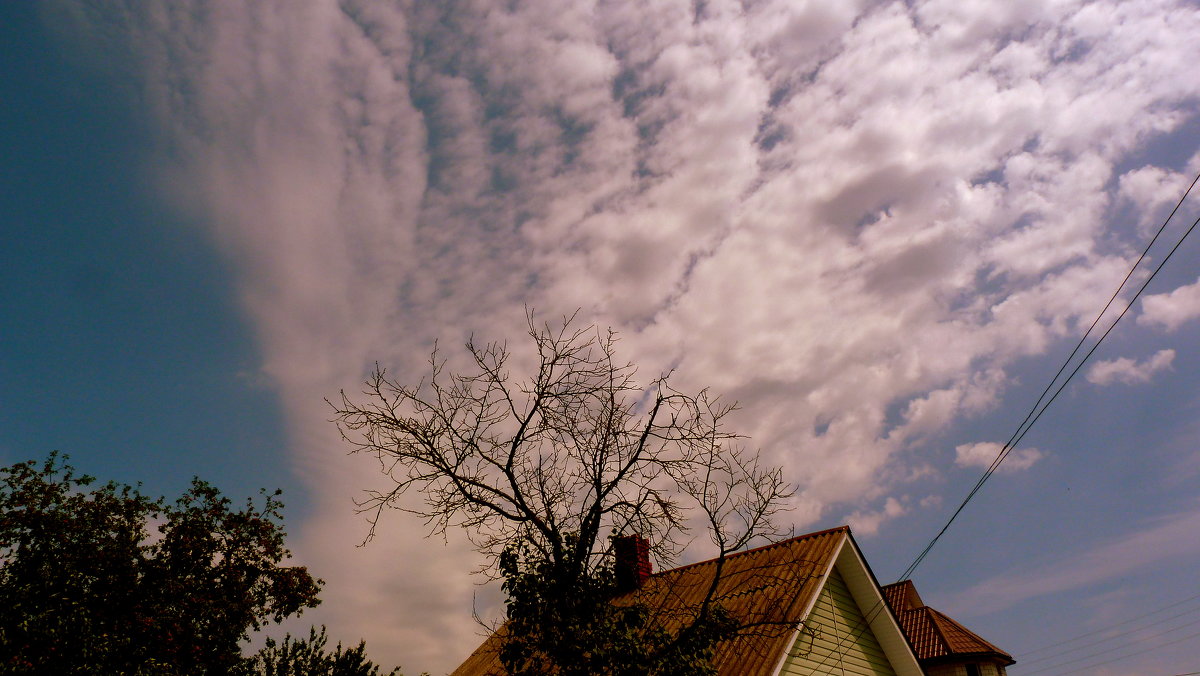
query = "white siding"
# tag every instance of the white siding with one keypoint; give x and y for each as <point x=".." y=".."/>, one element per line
<point x="836" y="639"/>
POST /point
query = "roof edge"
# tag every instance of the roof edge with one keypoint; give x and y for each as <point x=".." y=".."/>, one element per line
<point x="959" y="657"/>
<point x="884" y="624"/>
<point x="806" y="536"/>
<point x="993" y="651"/>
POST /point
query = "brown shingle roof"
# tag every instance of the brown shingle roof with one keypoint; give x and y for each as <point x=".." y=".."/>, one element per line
<point x="768" y="588"/>
<point x="902" y="596"/>
<point x="933" y="635"/>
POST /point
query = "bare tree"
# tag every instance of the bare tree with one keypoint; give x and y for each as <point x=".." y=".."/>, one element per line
<point x="549" y="464"/>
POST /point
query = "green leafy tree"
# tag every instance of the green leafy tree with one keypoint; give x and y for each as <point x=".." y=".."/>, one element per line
<point x="309" y="657"/>
<point x="86" y="587"/>
<point x="539" y="469"/>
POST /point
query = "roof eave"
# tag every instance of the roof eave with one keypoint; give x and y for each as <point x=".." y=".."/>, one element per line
<point x="1001" y="658"/>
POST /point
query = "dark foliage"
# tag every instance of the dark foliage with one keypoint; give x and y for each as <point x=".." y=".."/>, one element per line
<point x="309" y="657"/>
<point x="106" y="580"/>
<point x="583" y="626"/>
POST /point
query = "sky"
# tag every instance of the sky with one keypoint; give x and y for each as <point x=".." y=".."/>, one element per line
<point x="879" y="226"/>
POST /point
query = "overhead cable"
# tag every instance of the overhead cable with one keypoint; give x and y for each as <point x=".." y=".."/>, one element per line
<point x="1143" y="651"/>
<point x="1107" y="629"/>
<point x="1035" y="413"/>
<point x="1042" y="403"/>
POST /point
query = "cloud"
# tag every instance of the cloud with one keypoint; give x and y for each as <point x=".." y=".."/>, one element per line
<point x="982" y="454"/>
<point x="1152" y="192"/>
<point x="854" y="219"/>
<point x="1168" y="537"/>
<point x="1171" y="310"/>
<point x="868" y="522"/>
<point x="1128" y="371"/>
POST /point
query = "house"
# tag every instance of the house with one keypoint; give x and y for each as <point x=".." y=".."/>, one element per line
<point x="815" y="606"/>
<point x="943" y="646"/>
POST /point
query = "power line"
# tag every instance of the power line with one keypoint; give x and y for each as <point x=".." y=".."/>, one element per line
<point x="1079" y="366"/>
<point x="1035" y="413"/>
<point x="1128" y="640"/>
<point x="1125" y="656"/>
<point x="1109" y="638"/>
<point x="1114" y="626"/>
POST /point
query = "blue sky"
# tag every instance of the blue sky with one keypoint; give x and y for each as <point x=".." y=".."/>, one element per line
<point x="879" y="226"/>
<point x="123" y="344"/>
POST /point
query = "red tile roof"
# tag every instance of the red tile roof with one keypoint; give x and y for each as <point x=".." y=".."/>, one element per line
<point x="902" y="595"/>
<point x="768" y="588"/>
<point x="933" y="635"/>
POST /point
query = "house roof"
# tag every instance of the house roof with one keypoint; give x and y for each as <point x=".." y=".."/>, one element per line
<point x="934" y="636"/>
<point x="770" y="586"/>
<point x="769" y="589"/>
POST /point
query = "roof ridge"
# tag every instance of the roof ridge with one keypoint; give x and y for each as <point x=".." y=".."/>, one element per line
<point x="938" y="617"/>
<point x="904" y="590"/>
<point x="937" y="629"/>
<point x="792" y="540"/>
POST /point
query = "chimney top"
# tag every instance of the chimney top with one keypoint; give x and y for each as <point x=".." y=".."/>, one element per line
<point x="632" y="566"/>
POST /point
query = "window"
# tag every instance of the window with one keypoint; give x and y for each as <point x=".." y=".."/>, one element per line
<point x="972" y="670"/>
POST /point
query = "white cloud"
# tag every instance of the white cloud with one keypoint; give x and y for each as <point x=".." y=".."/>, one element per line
<point x="983" y="454"/>
<point x="936" y="410"/>
<point x="1171" y="310"/>
<point x="1128" y="371"/>
<point x="1152" y="192"/>
<point x="868" y="522"/>
<point x="931" y="501"/>
<point x="851" y="217"/>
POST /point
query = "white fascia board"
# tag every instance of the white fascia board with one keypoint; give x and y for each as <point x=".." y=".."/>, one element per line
<point x="865" y="590"/>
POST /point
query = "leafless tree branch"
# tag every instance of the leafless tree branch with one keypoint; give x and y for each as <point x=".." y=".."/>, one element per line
<point x="576" y="448"/>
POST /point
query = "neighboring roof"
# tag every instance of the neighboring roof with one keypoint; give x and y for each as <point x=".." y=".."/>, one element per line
<point x="934" y="636"/>
<point x="771" y="587"/>
<point x="902" y="595"/>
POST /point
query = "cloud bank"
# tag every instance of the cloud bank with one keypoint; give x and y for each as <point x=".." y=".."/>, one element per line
<point x="853" y="218"/>
<point x="1128" y="371"/>
<point x="984" y="453"/>
<point x="1171" y="310"/>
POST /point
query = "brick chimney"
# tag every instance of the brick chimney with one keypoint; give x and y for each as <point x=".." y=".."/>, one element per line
<point x="632" y="567"/>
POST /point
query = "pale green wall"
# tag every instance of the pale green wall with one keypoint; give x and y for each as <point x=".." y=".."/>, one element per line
<point x="827" y="643"/>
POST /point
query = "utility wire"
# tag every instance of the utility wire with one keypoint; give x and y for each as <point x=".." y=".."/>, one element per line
<point x="876" y="609"/>
<point x="1035" y="412"/>
<point x="1112" y="626"/>
<point x="1109" y="638"/>
<point x="1105" y="334"/>
<point x="1126" y="656"/>
<point x="1128" y="639"/>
